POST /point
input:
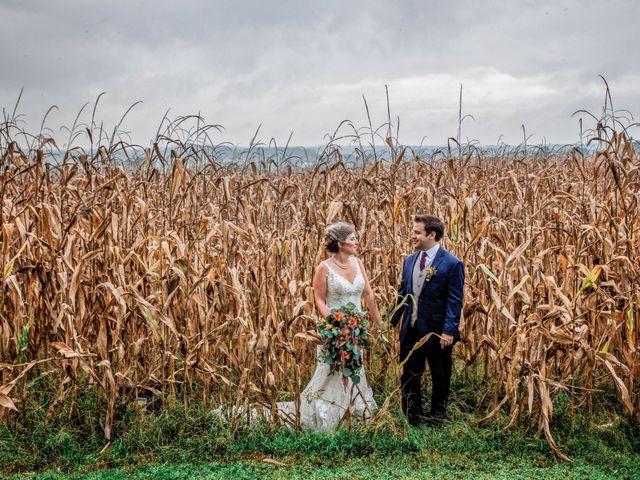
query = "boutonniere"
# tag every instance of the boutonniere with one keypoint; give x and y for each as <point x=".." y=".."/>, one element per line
<point x="429" y="272"/>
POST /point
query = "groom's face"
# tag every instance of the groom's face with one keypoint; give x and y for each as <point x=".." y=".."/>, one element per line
<point x="420" y="239"/>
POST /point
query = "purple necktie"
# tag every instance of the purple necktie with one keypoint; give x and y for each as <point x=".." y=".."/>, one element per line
<point x="423" y="260"/>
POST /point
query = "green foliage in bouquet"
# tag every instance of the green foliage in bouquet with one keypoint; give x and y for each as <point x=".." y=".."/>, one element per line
<point x="344" y="334"/>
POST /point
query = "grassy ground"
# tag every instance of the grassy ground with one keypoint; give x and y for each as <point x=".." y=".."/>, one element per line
<point x="190" y="442"/>
<point x="373" y="466"/>
<point x="173" y="446"/>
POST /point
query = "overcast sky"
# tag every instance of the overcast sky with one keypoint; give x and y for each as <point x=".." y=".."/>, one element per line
<point x="293" y="65"/>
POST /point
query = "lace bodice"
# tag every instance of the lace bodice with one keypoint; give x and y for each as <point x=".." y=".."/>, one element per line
<point x="340" y="291"/>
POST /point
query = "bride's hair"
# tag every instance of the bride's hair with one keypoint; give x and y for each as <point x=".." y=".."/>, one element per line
<point x="335" y="233"/>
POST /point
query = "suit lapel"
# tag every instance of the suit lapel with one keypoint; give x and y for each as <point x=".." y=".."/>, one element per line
<point x="412" y="262"/>
<point x="439" y="257"/>
<point x="435" y="264"/>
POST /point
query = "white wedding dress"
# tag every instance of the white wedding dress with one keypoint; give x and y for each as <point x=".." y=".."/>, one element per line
<point x="325" y="404"/>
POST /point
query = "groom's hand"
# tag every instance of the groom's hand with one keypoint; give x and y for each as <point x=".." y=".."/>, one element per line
<point x="446" y="341"/>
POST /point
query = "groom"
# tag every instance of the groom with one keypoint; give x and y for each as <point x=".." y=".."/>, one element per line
<point x="435" y="280"/>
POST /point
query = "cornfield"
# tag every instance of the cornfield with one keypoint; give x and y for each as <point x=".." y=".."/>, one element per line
<point x="186" y="277"/>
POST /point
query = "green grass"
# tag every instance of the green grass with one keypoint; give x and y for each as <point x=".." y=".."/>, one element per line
<point x="174" y="446"/>
<point x="375" y="466"/>
<point x="190" y="442"/>
<point x="456" y="451"/>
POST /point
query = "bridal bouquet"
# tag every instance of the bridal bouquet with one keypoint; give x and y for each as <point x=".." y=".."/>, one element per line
<point x="344" y="334"/>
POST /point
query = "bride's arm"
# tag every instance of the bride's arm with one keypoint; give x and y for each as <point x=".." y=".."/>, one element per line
<point x="369" y="298"/>
<point x="320" y="289"/>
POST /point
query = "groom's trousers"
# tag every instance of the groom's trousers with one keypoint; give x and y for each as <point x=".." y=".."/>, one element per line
<point x="440" y="361"/>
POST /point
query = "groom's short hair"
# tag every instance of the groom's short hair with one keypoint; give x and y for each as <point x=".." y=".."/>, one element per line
<point x="431" y="224"/>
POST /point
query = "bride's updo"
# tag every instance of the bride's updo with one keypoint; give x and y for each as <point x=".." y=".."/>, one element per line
<point x="335" y="233"/>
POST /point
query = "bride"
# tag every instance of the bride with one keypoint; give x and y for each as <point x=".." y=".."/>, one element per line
<point x="325" y="402"/>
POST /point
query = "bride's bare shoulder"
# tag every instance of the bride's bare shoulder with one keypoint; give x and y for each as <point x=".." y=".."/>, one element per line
<point x="320" y="275"/>
<point x="322" y="267"/>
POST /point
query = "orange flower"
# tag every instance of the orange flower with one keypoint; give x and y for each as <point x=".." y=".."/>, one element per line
<point x="338" y="316"/>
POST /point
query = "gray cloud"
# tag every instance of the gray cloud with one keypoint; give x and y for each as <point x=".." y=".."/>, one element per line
<point x="304" y="66"/>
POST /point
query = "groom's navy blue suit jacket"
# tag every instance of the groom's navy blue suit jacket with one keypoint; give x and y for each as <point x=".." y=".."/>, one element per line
<point x="440" y="300"/>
